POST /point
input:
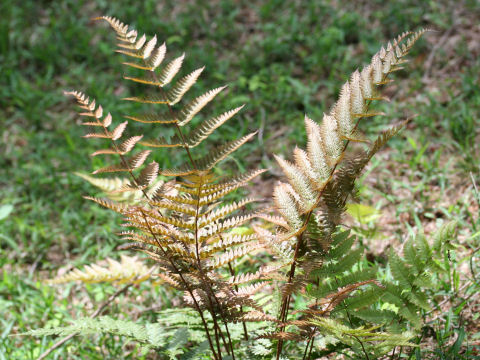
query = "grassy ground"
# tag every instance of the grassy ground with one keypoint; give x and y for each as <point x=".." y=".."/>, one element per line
<point x="282" y="58"/>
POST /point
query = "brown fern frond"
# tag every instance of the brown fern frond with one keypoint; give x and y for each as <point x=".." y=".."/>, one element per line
<point x="224" y="242"/>
<point x="143" y="238"/>
<point x="299" y="182"/>
<point x="206" y="163"/>
<point x="207" y="127"/>
<point x="252" y="289"/>
<point x="152" y="62"/>
<point x="210" y="230"/>
<point x="287" y="206"/>
<point x="223" y="211"/>
<point x="228" y="182"/>
<point x="147" y="177"/>
<point x="118" y="131"/>
<point x="161" y="142"/>
<point x="384" y="138"/>
<point x="232" y="255"/>
<point x="197" y="104"/>
<point x="172" y="281"/>
<point x="249" y="277"/>
<point x="121" y="149"/>
<point x="220" y="153"/>
<point x="170" y="70"/>
<point x="149" y="99"/>
<point x="119" y="208"/>
<point x="174" y="206"/>
<point x="168" y="220"/>
<point x="121" y="29"/>
<point x="131" y="163"/>
<point x="167" y="118"/>
<point x="176" y="93"/>
<point x="196" y="136"/>
<point x="277" y="220"/>
<point x="255" y="316"/>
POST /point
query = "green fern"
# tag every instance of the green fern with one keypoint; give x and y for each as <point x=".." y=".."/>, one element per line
<point x="149" y="334"/>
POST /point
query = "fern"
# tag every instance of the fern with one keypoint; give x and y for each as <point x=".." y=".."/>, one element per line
<point x="184" y="226"/>
<point x="128" y="270"/>
<point x="320" y="181"/>
<point x="152" y="335"/>
<point x="181" y="220"/>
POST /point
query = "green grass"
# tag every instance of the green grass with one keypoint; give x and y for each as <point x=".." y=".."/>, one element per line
<point x="283" y="59"/>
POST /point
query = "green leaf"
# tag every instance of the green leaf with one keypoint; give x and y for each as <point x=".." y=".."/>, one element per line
<point x="400" y="270"/>
<point x="363" y="213"/>
<point x="5" y="211"/>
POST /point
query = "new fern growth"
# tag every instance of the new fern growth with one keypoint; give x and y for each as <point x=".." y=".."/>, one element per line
<point x="187" y="228"/>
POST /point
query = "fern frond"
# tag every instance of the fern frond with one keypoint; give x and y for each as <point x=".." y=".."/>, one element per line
<point x="232" y="255"/>
<point x="176" y="93"/>
<point x="121" y="149"/>
<point x="207" y="127"/>
<point x="174" y="206"/>
<point x="127" y="270"/>
<point x="167" y="118"/>
<point x="170" y="70"/>
<point x="316" y="151"/>
<point x="121" y="29"/>
<point x="218" y="227"/>
<point x="197" y="104"/>
<point x="147" y="177"/>
<point x="299" y="182"/>
<point x="132" y="163"/>
<point x="209" y="161"/>
<point x="223" y="212"/>
<point x="148" y="99"/>
<point x="155" y="59"/>
<point x="330" y="135"/>
<point x="117" y="207"/>
<point x="150" y="334"/>
<point x="287" y="206"/>
<point x="251" y="290"/>
<point x="235" y="181"/>
<point x="258" y="275"/>
<point x="196" y="136"/>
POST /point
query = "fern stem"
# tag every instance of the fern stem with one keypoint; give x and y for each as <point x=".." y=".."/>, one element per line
<point x="306" y="348"/>
<point x="310" y="341"/>
<point x="215" y="328"/>
<point x="182" y="137"/>
<point x="311" y="348"/>
<point x="225" y="323"/>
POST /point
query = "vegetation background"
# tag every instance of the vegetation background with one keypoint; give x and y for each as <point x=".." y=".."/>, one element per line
<point x="283" y="59"/>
